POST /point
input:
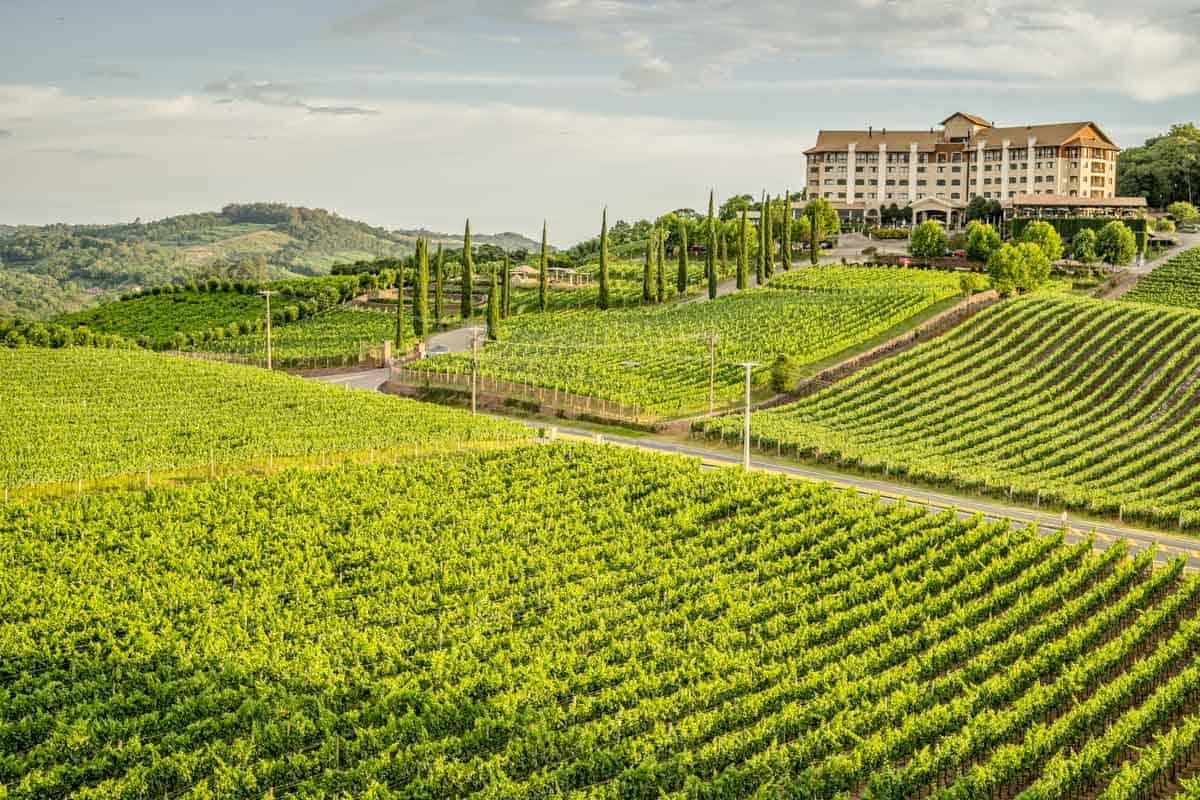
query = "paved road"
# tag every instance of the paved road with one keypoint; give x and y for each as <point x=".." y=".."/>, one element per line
<point x="1106" y="533"/>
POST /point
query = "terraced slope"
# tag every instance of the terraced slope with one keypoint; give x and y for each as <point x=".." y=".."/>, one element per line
<point x="1089" y="404"/>
<point x="577" y="622"/>
<point x="1175" y="283"/>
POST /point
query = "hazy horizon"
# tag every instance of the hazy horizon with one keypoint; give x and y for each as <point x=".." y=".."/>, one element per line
<point x="420" y="114"/>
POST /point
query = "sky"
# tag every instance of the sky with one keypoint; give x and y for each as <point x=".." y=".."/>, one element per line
<point x="420" y="113"/>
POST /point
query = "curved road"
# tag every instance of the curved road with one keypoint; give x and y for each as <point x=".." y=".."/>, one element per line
<point x="1106" y="533"/>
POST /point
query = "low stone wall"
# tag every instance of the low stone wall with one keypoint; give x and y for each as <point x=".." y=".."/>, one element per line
<point x="929" y="329"/>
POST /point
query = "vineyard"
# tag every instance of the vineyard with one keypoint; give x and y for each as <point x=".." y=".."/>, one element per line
<point x="1072" y="402"/>
<point x="1175" y="283"/>
<point x="584" y="622"/>
<point x="155" y="318"/>
<point x="658" y="358"/>
<point x="334" y="338"/>
<point x="75" y="415"/>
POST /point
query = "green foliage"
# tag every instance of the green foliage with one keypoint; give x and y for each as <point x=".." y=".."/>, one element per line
<point x="888" y="233"/>
<point x="493" y="307"/>
<point x="823" y="222"/>
<point x="1115" y="244"/>
<point x="32" y="333"/>
<point x="421" y="322"/>
<point x="971" y="282"/>
<point x="75" y="413"/>
<point x="660" y="265"/>
<point x="467" y="275"/>
<point x="785" y="373"/>
<point x="1019" y="267"/>
<point x="1068" y="227"/>
<point x="681" y="247"/>
<point x="647" y="270"/>
<point x="982" y="241"/>
<point x="1175" y="283"/>
<point x="980" y="208"/>
<point x="506" y="289"/>
<point x="710" y="250"/>
<point x="657" y="357"/>
<point x="785" y="233"/>
<point x="1164" y="225"/>
<point x="543" y="272"/>
<point x="603" y="300"/>
<point x="1085" y="403"/>
<point x="743" y="255"/>
<point x="1083" y="246"/>
<point x="1166" y="169"/>
<point x="1183" y="211"/>
<point x="929" y="240"/>
<point x="1044" y="235"/>
<point x="439" y="284"/>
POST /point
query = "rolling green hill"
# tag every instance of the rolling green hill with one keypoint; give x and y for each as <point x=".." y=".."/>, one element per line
<point x="51" y="269"/>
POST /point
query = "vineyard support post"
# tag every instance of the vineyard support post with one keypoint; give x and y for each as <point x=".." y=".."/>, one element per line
<point x="267" y="294"/>
<point x="749" y="365"/>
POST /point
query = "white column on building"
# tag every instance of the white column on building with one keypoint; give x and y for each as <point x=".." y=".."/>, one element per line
<point x="851" y="170"/>
<point x="979" y="148"/>
<point x="1004" y="170"/>
<point x="879" y="188"/>
<point x="912" y="172"/>
<point x="1059" y="184"/>
<point x="1029" y="151"/>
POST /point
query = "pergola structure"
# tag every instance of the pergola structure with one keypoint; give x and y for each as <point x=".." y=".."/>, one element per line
<point x="937" y="209"/>
<point x="1057" y="205"/>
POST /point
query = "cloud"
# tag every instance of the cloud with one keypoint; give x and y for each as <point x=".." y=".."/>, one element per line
<point x="1146" y="51"/>
<point x="116" y="73"/>
<point x="280" y="94"/>
<point x="89" y="153"/>
<point x="5" y="133"/>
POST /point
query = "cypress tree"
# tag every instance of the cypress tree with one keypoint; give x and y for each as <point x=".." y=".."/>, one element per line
<point x="400" y="308"/>
<point x="543" y="273"/>
<point x="439" y="281"/>
<point x="505" y="302"/>
<point x="493" y="307"/>
<point x="710" y="256"/>
<point x="602" y="301"/>
<point x="681" y="277"/>
<point x="647" y="290"/>
<point x="743" y="265"/>
<point x="467" y="273"/>
<point x="769" y="238"/>
<point x="660" y="236"/>
<point x="421" y="290"/>
<point x="723" y="249"/>
<point x="759" y="265"/>
<point x="785" y="233"/>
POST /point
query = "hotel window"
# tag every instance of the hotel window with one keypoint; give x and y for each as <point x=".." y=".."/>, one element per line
<point x="841" y="195"/>
<point x="920" y="169"/>
<point x="857" y="196"/>
<point x="859" y="169"/>
<point x="922" y="158"/>
<point x="955" y="196"/>
<point x="860" y="182"/>
<point x="955" y="182"/>
<point x="987" y="181"/>
<point x="941" y="182"/>
<point x="891" y="181"/>
<point x="921" y="181"/>
<point x="941" y="157"/>
<point x="993" y="155"/>
<point x="987" y="194"/>
<point x="956" y="169"/>
<point x="1037" y="178"/>
<point x="941" y="170"/>
<point x="956" y="157"/>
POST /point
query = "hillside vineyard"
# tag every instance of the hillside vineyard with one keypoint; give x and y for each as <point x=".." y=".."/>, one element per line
<point x="1175" y="283"/>
<point x="1084" y="403"/>
<point x="658" y="358"/>
<point x="82" y="414"/>
<point x="576" y="621"/>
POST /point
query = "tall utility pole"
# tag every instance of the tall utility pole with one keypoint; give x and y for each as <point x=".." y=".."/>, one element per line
<point x="749" y="365"/>
<point x="712" y="369"/>
<point x="267" y="294"/>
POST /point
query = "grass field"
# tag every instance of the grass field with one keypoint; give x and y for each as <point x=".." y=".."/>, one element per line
<point x="584" y="622"/>
<point x="1051" y="399"/>
<point x="82" y="413"/>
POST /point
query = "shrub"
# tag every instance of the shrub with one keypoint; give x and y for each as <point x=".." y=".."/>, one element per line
<point x="785" y="373"/>
<point x="982" y="240"/>
<point x="970" y="283"/>
<point x="928" y="240"/>
<point x="1083" y="246"/>
<point x="1018" y="267"/>
<point x="1164" y="225"/>
<point x="1116" y="244"/>
<point x="1045" y="237"/>
<point x="1183" y="211"/>
<point x="888" y="233"/>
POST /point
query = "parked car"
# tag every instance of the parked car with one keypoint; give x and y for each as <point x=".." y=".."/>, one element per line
<point x="827" y="245"/>
<point x="905" y="261"/>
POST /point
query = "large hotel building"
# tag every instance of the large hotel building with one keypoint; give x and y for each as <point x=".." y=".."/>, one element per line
<point x="938" y="171"/>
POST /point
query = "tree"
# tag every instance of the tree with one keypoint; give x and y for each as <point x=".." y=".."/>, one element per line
<point x="710" y="255"/>
<point x="982" y="239"/>
<point x="1115" y="244"/>
<point x="768" y="240"/>
<point x="723" y="250"/>
<point x="760" y="268"/>
<point x="467" y="273"/>
<point x="823" y="222"/>
<point x="660" y="236"/>
<point x="602" y="300"/>
<point x="505" y="290"/>
<point x="399" y="308"/>
<point x="543" y="273"/>
<point x="1018" y="267"/>
<point x="977" y="208"/>
<point x="785" y="233"/>
<point x="929" y="240"/>
<point x="1164" y="225"/>
<point x="681" y="277"/>
<point x="421" y="324"/>
<point x="1183" y="211"/>
<point x="734" y="205"/>
<point x="743" y="260"/>
<point x="1165" y="169"/>
<point x="439" y="281"/>
<point x="1044" y="236"/>
<point x="970" y="283"/>
<point x="493" y="306"/>
<point x="647" y="291"/>
<point x="1083" y="246"/>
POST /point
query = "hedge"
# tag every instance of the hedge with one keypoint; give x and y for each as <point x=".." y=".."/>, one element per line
<point x="1067" y="227"/>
